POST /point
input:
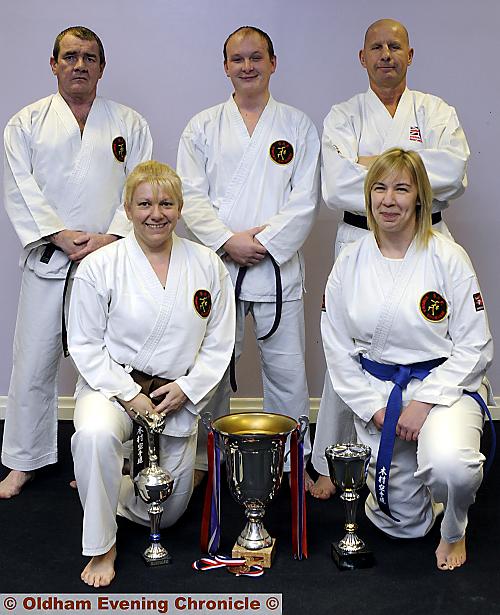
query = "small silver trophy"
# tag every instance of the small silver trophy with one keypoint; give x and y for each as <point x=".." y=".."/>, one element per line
<point x="348" y="465"/>
<point x="154" y="486"/>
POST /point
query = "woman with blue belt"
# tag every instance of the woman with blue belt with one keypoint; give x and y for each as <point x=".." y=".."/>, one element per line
<point x="407" y="345"/>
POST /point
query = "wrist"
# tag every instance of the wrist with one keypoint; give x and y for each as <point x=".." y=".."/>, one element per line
<point x="53" y="237"/>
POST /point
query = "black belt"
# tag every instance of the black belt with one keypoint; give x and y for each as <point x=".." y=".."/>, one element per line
<point x="277" y="315"/>
<point x="64" y="330"/>
<point x="360" y="221"/>
<point x="45" y="258"/>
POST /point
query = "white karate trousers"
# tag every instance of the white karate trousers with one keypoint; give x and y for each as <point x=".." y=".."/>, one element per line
<point x="443" y="467"/>
<point x="30" y="436"/>
<point x="101" y="428"/>
<point x="282" y="367"/>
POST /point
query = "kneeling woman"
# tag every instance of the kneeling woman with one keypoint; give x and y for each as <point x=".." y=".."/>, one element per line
<point x="158" y="304"/>
<point x="403" y="305"/>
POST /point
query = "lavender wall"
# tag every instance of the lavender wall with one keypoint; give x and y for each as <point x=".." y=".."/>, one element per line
<point x="164" y="59"/>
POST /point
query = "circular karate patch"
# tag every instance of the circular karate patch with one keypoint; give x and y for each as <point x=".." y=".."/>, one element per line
<point x="202" y="301"/>
<point x="281" y="152"/>
<point x="433" y="306"/>
<point x="119" y="148"/>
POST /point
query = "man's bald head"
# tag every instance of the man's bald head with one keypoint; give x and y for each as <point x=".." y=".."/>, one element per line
<point x="391" y="23"/>
<point x="386" y="55"/>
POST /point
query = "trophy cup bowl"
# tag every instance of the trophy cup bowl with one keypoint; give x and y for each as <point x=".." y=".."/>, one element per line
<point x="154" y="486"/>
<point x="254" y="446"/>
<point x="348" y="465"/>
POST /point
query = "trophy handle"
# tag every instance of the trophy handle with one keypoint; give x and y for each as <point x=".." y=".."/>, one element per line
<point x="206" y="419"/>
<point x="303" y="426"/>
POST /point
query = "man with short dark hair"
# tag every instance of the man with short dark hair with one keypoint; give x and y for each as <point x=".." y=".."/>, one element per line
<point x="66" y="160"/>
<point x="250" y="174"/>
<point x="355" y="133"/>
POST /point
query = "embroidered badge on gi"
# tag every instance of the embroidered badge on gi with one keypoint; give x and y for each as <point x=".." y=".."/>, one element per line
<point x="281" y="152"/>
<point x="433" y="307"/>
<point x="202" y="301"/>
<point x="415" y="134"/>
<point x="119" y="148"/>
<point x="478" y="302"/>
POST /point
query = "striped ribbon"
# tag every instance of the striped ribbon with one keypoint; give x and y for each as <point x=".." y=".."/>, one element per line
<point x="210" y="523"/>
<point x="222" y="561"/>
<point x="299" y="525"/>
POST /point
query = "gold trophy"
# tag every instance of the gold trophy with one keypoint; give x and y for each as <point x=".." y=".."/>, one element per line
<point x="254" y="446"/>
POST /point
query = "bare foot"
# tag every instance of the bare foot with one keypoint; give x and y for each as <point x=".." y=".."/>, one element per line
<point x="199" y="475"/>
<point x="100" y="571"/>
<point x="308" y="481"/>
<point x="450" y="555"/>
<point x="13" y="483"/>
<point x="323" y="488"/>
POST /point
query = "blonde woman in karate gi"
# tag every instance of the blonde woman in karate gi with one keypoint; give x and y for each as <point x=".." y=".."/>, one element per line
<point x="158" y="304"/>
<point x="407" y="296"/>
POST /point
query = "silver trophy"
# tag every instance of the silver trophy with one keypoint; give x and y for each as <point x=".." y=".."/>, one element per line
<point x="254" y="446"/>
<point x="154" y="486"/>
<point x="348" y="465"/>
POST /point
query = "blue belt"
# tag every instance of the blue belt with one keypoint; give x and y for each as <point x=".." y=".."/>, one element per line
<point x="401" y="376"/>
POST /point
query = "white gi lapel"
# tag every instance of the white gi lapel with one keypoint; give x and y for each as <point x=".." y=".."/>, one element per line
<point x="164" y="298"/>
<point x="253" y="148"/>
<point x="398" y="132"/>
<point x="84" y="158"/>
<point x="394" y="295"/>
<point x="378" y="118"/>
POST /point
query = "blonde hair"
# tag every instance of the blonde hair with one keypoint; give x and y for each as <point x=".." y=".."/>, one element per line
<point x="396" y="161"/>
<point x="159" y="176"/>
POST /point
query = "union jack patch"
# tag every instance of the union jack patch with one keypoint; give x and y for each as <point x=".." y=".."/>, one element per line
<point x="415" y="134"/>
<point x="478" y="302"/>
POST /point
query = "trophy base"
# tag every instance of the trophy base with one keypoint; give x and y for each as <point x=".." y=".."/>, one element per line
<point x="263" y="557"/>
<point x="157" y="561"/>
<point x="350" y="561"/>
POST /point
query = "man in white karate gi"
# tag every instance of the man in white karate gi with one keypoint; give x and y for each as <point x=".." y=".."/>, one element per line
<point x="66" y="160"/>
<point x="355" y="133"/>
<point x="250" y="174"/>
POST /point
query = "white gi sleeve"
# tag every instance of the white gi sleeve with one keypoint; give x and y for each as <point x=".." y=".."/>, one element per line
<point x="342" y="358"/>
<point x="139" y="149"/>
<point x="32" y="216"/>
<point x="289" y="228"/>
<point x="446" y="150"/>
<point x="472" y="351"/>
<point x="217" y="346"/>
<point x="88" y="315"/>
<point x="342" y="178"/>
<point x="198" y="212"/>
